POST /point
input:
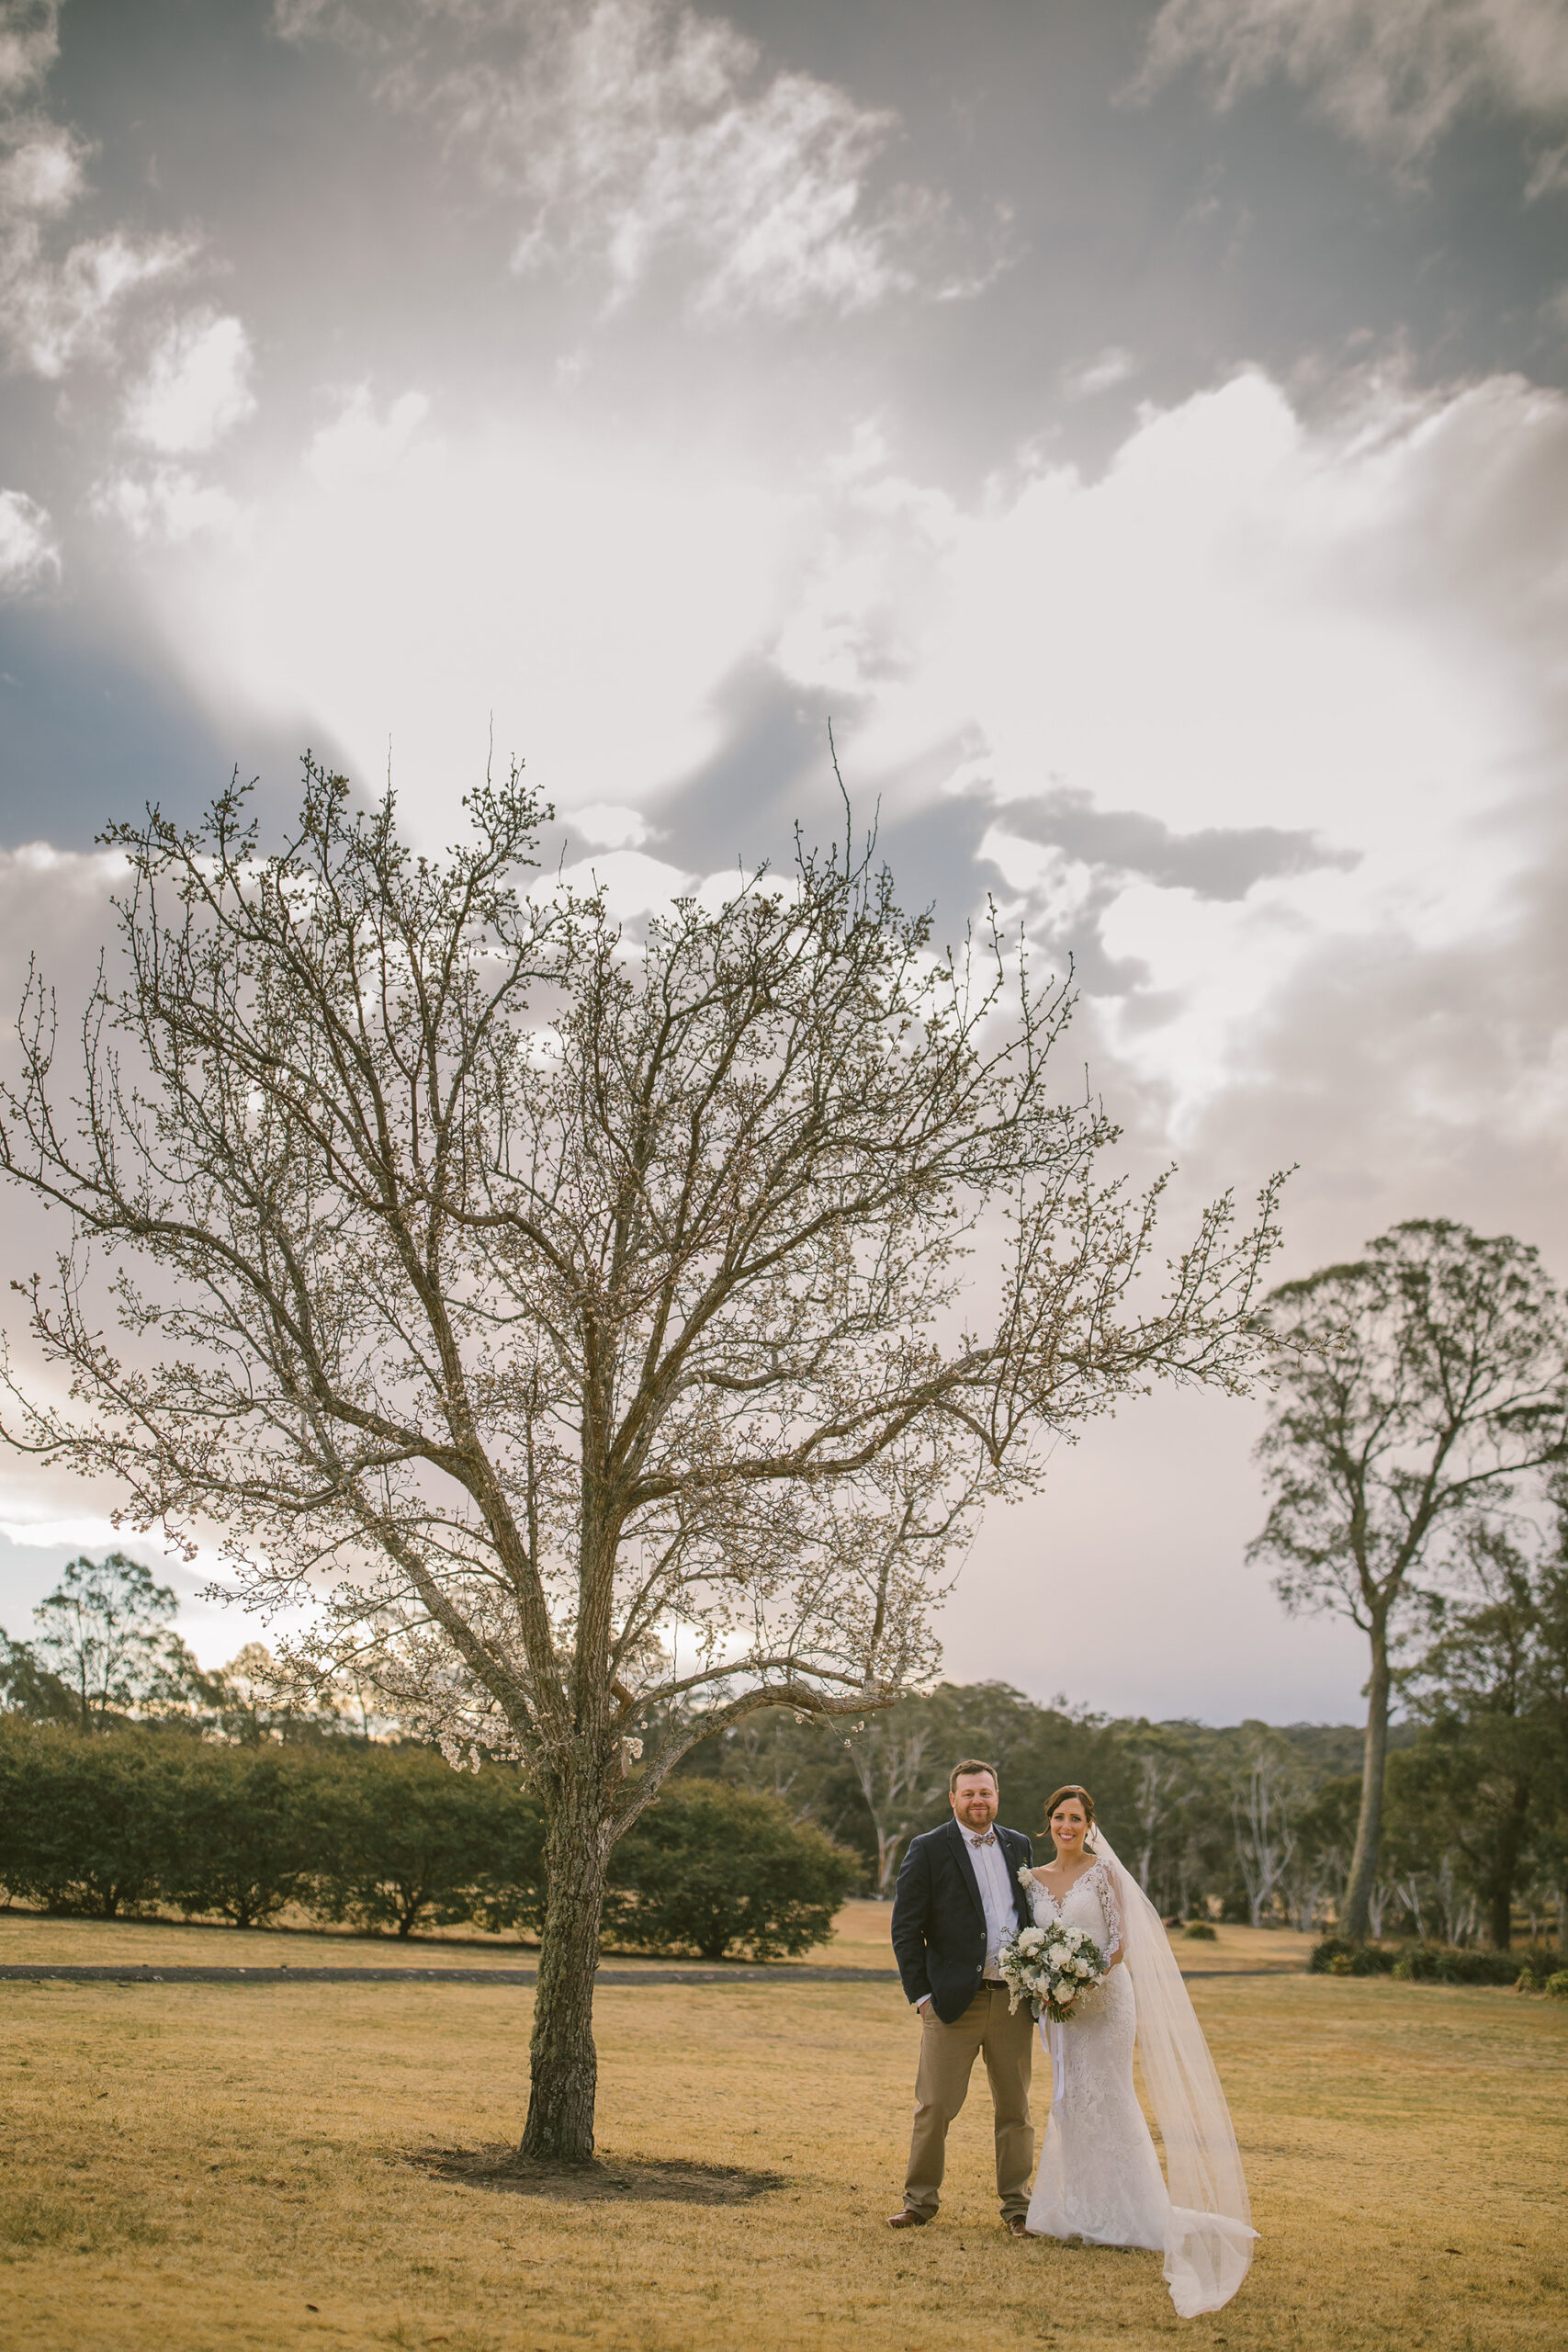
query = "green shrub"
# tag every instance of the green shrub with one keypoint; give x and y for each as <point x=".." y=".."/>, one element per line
<point x="85" y="1818"/>
<point x="254" y="1832"/>
<point x="1426" y="1963"/>
<point x="414" y="1843"/>
<point x="509" y="1891"/>
<point x="1199" y="1931"/>
<point x="710" y="1868"/>
<point x="1335" y="1957"/>
<point x="1557" y="1985"/>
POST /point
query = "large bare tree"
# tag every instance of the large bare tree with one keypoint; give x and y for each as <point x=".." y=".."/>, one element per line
<point x="587" y="1323"/>
<point x="1418" y="1385"/>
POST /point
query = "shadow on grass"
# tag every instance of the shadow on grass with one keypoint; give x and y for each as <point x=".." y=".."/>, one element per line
<point x="605" y="2180"/>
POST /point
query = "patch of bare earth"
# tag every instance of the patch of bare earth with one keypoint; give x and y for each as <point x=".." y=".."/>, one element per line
<point x="604" y="2181"/>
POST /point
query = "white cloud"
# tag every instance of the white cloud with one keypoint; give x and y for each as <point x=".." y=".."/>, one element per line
<point x="1102" y="374"/>
<point x="43" y="175"/>
<point x="28" y="549"/>
<point x="168" y="504"/>
<point x="58" y="302"/>
<point x="592" y="602"/>
<point x="197" y="388"/>
<point x="358" y="445"/>
<point x="604" y="826"/>
<point x="53" y="313"/>
<point x="1253" y="625"/>
<point x="1344" y="629"/>
<point x="631" y="884"/>
<point x="1392" y="74"/>
<point x="634" y="133"/>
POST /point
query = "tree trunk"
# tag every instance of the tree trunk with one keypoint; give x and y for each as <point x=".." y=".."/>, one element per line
<point x="563" y="2062"/>
<point x="1369" y="1822"/>
<point x="1505" y="1866"/>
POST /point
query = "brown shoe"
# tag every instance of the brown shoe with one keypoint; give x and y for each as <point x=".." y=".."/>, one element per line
<point x="1015" y="2225"/>
<point x="907" y="2220"/>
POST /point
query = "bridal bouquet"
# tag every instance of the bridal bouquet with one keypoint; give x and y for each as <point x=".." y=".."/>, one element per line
<point x="1052" y="1968"/>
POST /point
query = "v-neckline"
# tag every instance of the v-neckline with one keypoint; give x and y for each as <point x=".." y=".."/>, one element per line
<point x="1059" y="1899"/>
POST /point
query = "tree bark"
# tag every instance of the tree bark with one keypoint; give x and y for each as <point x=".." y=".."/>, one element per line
<point x="1368" y="1821"/>
<point x="563" y="2062"/>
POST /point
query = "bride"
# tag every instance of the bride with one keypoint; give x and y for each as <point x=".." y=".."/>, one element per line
<point x="1100" y="2178"/>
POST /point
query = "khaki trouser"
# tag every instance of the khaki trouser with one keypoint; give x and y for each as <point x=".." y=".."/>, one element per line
<point x="947" y="2060"/>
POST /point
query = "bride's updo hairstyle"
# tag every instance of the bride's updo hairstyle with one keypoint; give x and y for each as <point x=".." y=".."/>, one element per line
<point x="1084" y="1798"/>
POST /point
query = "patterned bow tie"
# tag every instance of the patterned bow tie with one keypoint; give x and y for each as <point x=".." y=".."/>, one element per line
<point x="988" y="1839"/>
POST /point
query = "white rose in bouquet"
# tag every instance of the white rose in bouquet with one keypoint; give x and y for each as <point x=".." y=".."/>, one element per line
<point x="1052" y="1967"/>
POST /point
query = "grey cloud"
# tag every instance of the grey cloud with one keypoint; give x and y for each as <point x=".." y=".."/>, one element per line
<point x="1220" y="861"/>
<point x="1409" y="1080"/>
<point x="771" y="768"/>
<point x="29" y="42"/>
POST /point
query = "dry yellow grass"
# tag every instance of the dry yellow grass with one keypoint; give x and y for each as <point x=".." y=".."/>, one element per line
<point x="188" y="2169"/>
<point x="860" y="1939"/>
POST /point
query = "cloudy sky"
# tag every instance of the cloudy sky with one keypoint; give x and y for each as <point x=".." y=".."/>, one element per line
<point x="1140" y="429"/>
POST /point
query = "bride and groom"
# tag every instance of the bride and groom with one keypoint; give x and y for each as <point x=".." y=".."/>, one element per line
<point x="963" y="1891"/>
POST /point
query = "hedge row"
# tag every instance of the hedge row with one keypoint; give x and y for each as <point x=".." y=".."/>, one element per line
<point x="130" y="1822"/>
<point x="1433" y="1963"/>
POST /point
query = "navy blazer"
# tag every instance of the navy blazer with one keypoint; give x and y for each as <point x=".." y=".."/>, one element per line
<point x="939" y="1920"/>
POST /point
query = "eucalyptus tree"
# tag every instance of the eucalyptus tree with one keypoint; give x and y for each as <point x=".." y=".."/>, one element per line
<point x="1491" y="1762"/>
<point x="105" y="1633"/>
<point x="1415" y="1387"/>
<point x="586" y="1323"/>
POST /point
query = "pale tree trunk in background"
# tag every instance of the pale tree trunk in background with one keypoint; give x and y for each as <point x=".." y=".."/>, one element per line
<point x="1368" y="1821"/>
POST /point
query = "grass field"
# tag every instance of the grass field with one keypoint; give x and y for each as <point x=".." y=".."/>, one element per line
<point x="192" y="2168"/>
<point x="860" y="1939"/>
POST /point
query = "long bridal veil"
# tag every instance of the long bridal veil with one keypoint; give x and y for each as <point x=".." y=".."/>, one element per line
<point x="1209" y="2234"/>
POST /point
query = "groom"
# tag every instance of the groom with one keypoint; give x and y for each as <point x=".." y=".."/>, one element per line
<point x="958" y="1900"/>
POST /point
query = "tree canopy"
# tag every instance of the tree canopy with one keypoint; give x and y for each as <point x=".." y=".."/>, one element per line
<point x="1417" y="1387"/>
<point x="589" y="1322"/>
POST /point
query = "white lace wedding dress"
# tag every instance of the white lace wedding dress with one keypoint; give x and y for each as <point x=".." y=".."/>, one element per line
<point x="1100" y="2178"/>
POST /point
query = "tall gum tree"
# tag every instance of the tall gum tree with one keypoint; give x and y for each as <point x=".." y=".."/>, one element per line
<point x="583" y="1324"/>
<point x="1415" y="1388"/>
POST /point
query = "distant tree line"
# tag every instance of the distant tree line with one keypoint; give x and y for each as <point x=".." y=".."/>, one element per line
<point x="132" y="1778"/>
<point x="1256" y="1821"/>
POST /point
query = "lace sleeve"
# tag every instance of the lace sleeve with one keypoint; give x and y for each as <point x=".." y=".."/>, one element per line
<point x="1111" y="1903"/>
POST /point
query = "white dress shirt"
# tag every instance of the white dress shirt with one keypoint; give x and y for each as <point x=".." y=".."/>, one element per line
<point x="992" y="1870"/>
